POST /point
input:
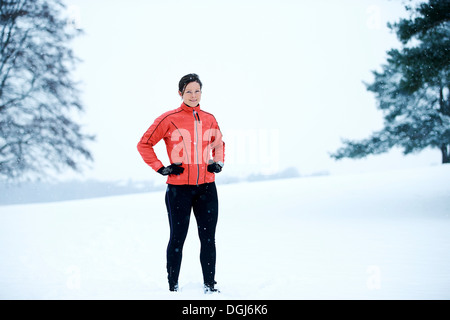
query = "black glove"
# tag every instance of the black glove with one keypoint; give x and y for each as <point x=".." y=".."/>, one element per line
<point x="174" y="168"/>
<point x="215" y="167"/>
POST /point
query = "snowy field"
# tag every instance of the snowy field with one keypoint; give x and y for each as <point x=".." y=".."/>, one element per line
<point x="366" y="236"/>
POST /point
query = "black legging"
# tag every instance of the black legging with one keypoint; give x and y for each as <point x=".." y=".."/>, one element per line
<point x="180" y="199"/>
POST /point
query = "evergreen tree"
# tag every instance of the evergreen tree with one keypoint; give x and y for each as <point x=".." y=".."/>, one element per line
<point x="38" y="96"/>
<point x="413" y="87"/>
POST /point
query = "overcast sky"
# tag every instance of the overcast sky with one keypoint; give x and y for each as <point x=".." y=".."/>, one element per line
<point x="284" y="79"/>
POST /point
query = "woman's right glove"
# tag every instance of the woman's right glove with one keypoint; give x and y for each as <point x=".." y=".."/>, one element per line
<point x="174" y="168"/>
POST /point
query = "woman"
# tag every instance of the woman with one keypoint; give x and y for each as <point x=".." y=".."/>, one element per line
<point x="196" y="153"/>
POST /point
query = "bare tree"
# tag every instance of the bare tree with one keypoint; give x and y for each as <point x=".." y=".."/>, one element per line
<point x="38" y="96"/>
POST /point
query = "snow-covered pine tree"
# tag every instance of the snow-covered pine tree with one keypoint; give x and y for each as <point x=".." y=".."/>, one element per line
<point x="413" y="88"/>
<point x="38" y="96"/>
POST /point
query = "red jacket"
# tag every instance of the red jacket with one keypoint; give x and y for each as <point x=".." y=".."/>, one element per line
<point x="192" y="137"/>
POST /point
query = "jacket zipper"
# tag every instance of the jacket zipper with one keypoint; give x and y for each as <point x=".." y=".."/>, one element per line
<point x="196" y="120"/>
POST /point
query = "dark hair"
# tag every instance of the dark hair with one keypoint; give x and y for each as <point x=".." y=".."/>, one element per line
<point x="191" y="77"/>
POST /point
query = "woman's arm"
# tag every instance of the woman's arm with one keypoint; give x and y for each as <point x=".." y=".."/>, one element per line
<point x="150" y="138"/>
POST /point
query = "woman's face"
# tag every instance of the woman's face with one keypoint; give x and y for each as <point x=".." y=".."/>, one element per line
<point x="192" y="94"/>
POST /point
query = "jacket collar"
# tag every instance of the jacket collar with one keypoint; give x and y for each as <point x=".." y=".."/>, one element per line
<point x="185" y="107"/>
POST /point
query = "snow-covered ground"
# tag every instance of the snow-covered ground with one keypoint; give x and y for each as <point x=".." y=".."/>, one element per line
<point x="366" y="236"/>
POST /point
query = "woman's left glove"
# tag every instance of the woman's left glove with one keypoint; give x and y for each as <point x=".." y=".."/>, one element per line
<point x="215" y="167"/>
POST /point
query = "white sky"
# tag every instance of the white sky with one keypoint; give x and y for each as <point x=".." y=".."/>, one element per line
<point x="284" y="79"/>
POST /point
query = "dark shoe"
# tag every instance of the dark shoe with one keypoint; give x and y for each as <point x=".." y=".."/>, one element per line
<point x="209" y="288"/>
<point x="173" y="287"/>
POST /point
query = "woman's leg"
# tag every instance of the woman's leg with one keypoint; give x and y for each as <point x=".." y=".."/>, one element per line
<point x="206" y="210"/>
<point x="179" y="204"/>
